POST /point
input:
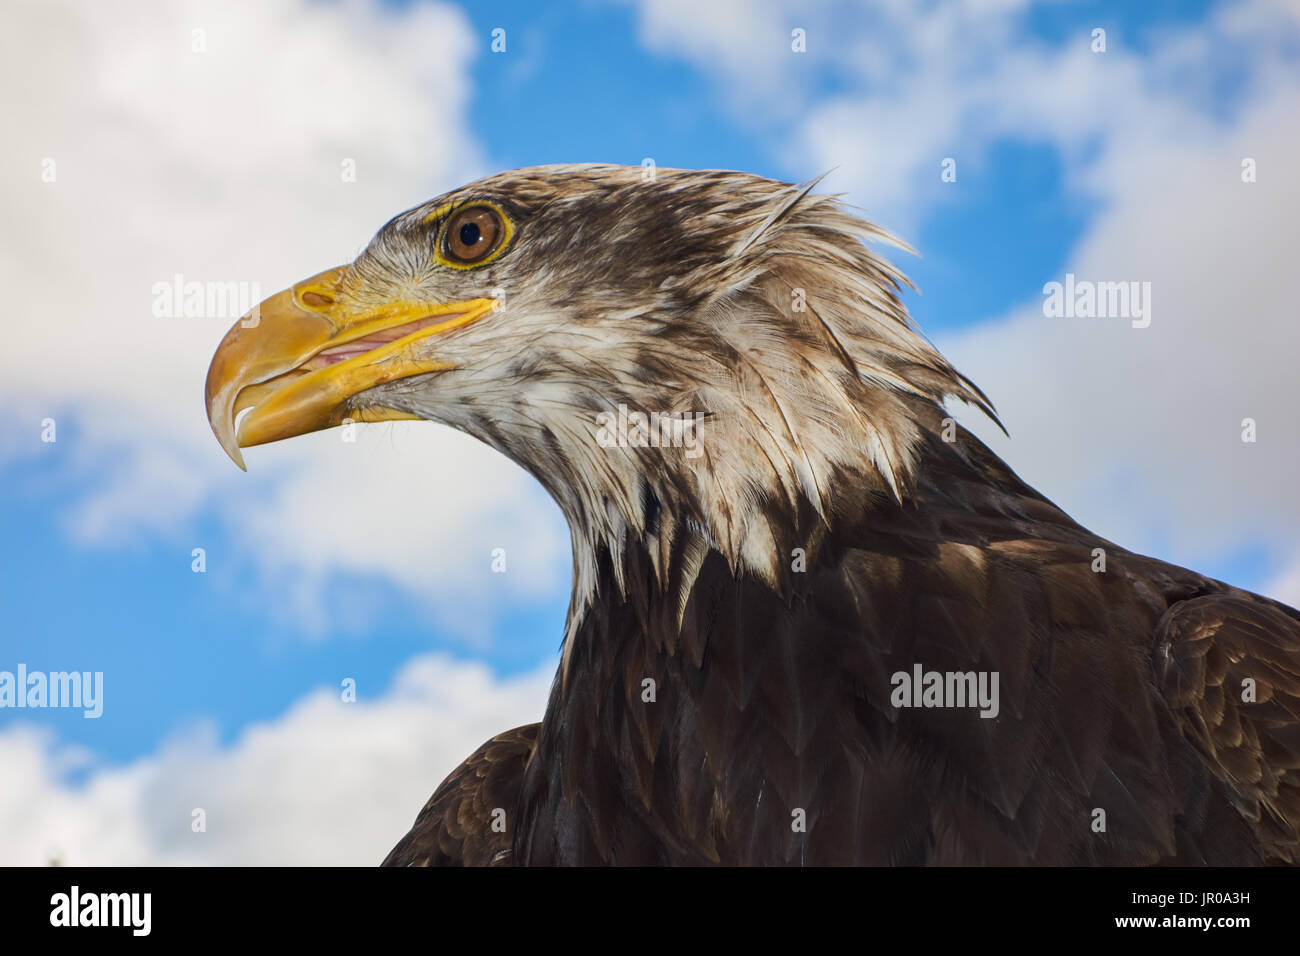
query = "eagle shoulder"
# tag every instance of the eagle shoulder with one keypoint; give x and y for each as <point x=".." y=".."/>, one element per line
<point x="456" y="827"/>
<point x="1228" y="666"/>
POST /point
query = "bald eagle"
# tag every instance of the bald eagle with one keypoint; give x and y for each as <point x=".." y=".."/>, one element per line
<point x="813" y="621"/>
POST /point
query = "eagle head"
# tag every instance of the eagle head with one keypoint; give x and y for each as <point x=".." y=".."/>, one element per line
<point x="669" y="352"/>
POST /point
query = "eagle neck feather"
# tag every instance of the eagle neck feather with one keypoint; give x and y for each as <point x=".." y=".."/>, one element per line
<point x="814" y="389"/>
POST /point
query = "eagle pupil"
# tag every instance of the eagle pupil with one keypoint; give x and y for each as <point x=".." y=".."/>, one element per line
<point x="469" y="234"/>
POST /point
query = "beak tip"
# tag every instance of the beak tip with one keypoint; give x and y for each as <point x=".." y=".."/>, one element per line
<point x="226" y="435"/>
<point x="232" y="449"/>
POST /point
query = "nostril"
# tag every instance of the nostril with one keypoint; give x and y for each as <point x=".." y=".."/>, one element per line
<point x="316" y="300"/>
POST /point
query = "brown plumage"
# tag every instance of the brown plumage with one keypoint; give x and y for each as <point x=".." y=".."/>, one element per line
<point x="456" y="826"/>
<point x="740" y="615"/>
<point x="1122" y="693"/>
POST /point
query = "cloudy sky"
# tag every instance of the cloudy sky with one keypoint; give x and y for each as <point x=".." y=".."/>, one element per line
<point x="262" y="143"/>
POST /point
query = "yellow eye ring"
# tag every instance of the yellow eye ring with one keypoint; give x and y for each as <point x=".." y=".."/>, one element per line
<point x="472" y="234"/>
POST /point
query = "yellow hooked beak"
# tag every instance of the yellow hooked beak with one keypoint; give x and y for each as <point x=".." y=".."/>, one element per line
<point x="299" y="357"/>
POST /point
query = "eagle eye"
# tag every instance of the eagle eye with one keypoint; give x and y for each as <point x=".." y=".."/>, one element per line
<point x="472" y="235"/>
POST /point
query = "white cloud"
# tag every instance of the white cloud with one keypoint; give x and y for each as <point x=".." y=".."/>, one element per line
<point x="916" y="83"/>
<point x="1139" y="431"/>
<point x="1286" y="586"/>
<point x="740" y="42"/>
<point x="915" y="78"/>
<point x="280" y="793"/>
<point x="225" y="164"/>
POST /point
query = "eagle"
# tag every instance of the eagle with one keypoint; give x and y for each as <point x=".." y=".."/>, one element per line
<point x="813" y="619"/>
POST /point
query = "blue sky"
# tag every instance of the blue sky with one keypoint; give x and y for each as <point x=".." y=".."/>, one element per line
<point x="579" y="82"/>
